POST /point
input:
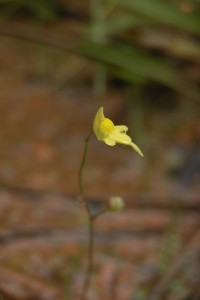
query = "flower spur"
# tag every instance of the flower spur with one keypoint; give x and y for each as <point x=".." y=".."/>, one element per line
<point x="111" y="134"/>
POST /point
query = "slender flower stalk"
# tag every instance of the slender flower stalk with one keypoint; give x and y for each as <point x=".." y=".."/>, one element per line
<point x="80" y="173"/>
<point x="110" y="134"/>
<point x="89" y="270"/>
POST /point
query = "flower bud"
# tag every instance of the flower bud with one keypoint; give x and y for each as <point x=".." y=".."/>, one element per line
<point x="115" y="204"/>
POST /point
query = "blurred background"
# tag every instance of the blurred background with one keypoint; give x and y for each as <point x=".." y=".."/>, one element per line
<point x="59" y="62"/>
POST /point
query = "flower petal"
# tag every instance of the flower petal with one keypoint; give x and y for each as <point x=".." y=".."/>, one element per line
<point x="121" y="138"/>
<point x="137" y="149"/>
<point x="110" y="141"/>
<point x="121" y="128"/>
<point x="99" y="117"/>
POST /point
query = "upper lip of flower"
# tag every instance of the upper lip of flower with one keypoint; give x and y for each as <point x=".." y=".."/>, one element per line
<point x="106" y="131"/>
<point x="98" y="119"/>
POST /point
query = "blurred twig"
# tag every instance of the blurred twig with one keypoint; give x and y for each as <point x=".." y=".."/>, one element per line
<point x="42" y="39"/>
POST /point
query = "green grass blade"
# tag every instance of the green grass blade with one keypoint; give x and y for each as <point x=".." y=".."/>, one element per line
<point x="119" y="23"/>
<point x="168" y="14"/>
<point x="139" y="64"/>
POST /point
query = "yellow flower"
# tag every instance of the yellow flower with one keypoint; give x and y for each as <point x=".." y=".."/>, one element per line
<point x="111" y="134"/>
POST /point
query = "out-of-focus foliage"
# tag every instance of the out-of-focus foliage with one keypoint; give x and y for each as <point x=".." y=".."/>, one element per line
<point x="41" y="9"/>
<point x="138" y="41"/>
<point x="166" y="13"/>
<point x="144" y="40"/>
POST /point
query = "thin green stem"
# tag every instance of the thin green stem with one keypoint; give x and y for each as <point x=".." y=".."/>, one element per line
<point x="89" y="269"/>
<point x="80" y="174"/>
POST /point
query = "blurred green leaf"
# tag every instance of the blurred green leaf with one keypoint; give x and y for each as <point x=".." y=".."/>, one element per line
<point x="42" y="9"/>
<point x="112" y="25"/>
<point x="168" y="14"/>
<point x="137" y="63"/>
<point x="118" y="23"/>
<point x="127" y="76"/>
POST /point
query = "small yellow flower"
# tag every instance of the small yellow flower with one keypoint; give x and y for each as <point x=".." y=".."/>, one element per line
<point x="111" y="134"/>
